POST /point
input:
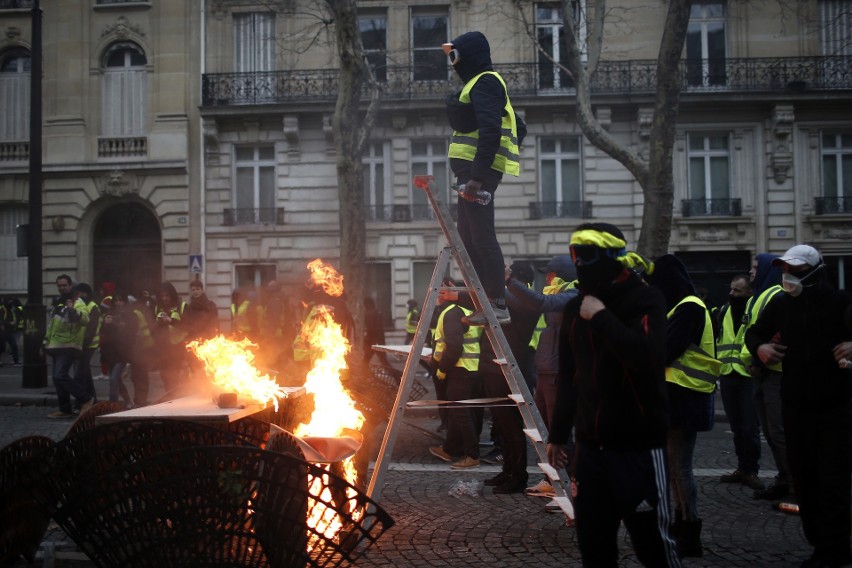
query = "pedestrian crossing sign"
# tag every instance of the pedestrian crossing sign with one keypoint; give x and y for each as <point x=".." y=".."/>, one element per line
<point x="196" y="263"/>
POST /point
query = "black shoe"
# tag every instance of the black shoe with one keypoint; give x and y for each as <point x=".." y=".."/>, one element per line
<point x="498" y="479"/>
<point x="734" y="477"/>
<point x="494" y="457"/>
<point x="511" y="485"/>
<point x="773" y="492"/>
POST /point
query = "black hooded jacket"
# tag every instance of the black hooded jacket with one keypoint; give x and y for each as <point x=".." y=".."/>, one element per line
<point x="484" y="113"/>
<point x="810" y="325"/>
<point x="612" y="370"/>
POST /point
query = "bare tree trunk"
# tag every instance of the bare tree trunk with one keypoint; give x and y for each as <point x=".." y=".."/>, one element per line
<point x="351" y="128"/>
<point x="659" y="186"/>
<point x="654" y="175"/>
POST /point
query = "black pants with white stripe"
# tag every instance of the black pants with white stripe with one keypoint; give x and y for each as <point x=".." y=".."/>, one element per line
<point x="629" y="486"/>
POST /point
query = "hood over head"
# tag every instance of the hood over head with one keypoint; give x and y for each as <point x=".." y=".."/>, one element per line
<point x="672" y="279"/>
<point x="475" y="55"/>
<point x="766" y="275"/>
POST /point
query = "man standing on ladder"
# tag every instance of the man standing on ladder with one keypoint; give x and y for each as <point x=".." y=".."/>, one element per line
<point x="485" y="145"/>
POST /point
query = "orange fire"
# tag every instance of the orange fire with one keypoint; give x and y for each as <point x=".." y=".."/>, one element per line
<point x="326" y="277"/>
<point x="230" y="366"/>
<point x="334" y="410"/>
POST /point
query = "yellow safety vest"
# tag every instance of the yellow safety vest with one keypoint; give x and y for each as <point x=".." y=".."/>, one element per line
<point x="463" y="144"/>
<point x="556" y="285"/>
<point x="301" y="345"/>
<point x="143" y="331"/>
<point x="411" y="321"/>
<point x="470" y="343"/>
<point x="176" y="334"/>
<point x="754" y="308"/>
<point x="240" y="322"/>
<point x="697" y="368"/>
<point x="729" y="346"/>
<point x="95" y="343"/>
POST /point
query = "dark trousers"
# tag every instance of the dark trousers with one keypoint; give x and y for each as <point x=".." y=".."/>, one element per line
<point x="139" y="370"/>
<point x="66" y="385"/>
<point x="476" y="228"/>
<point x="738" y="399"/>
<point x="630" y="486"/>
<point x="10" y="337"/>
<point x="819" y="454"/>
<point x="509" y="424"/>
<point x="767" y="398"/>
<point x="83" y="373"/>
<point x="462" y="432"/>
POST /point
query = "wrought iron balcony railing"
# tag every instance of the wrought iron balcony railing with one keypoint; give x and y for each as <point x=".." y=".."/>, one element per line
<point x="711" y="207"/>
<point x="263" y="216"/>
<point x="555" y="209"/>
<point x="832" y="205"/>
<point x="16" y="4"/>
<point x="790" y="74"/>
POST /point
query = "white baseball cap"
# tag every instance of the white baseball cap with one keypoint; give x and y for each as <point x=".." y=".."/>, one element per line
<point x="799" y="255"/>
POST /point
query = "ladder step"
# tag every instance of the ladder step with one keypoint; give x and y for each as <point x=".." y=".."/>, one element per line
<point x="566" y="506"/>
<point x="469" y="403"/>
<point x="550" y="472"/>
<point x="501" y="361"/>
<point x="533" y="434"/>
<point x="518" y="398"/>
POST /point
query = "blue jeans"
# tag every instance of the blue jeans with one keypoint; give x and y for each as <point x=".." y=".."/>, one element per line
<point x="767" y="398"/>
<point x="680" y="447"/>
<point x="66" y="385"/>
<point x="738" y="398"/>
<point x="116" y="387"/>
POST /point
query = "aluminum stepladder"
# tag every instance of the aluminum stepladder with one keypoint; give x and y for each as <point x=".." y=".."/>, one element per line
<point x="534" y="426"/>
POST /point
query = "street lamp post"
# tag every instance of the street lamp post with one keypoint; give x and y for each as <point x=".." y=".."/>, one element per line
<point x="35" y="368"/>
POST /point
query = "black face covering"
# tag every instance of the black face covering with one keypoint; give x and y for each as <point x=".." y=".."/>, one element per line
<point x="596" y="277"/>
<point x="738" y="301"/>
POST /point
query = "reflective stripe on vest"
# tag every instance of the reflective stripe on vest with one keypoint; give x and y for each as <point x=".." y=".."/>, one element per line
<point x="470" y="343"/>
<point x="754" y="308"/>
<point x="411" y="321"/>
<point x="729" y="346"/>
<point x="696" y="369"/>
<point x="463" y="144"/>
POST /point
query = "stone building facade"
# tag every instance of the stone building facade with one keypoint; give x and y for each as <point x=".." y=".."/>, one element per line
<point x="193" y="138"/>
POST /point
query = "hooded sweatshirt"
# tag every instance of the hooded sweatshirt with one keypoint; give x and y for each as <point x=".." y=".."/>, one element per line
<point x="484" y="113"/>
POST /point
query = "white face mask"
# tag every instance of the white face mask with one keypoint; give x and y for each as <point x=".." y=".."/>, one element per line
<point x="791" y="284"/>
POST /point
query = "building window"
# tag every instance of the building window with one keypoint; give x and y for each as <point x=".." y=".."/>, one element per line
<point x="15" y="94"/>
<point x="254" y="192"/>
<point x="254" y="42"/>
<point x="709" y="165"/>
<point x="377" y="186"/>
<point x="374" y="37"/>
<point x="13" y="270"/>
<point x="835" y="28"/>
<point x="705" y="45"/>
<point x="429" y="30"/>
<point x="125" y="89"/>
<point x="429" y="158"/>
<point x="560" y="176"/>
<point x="253" y="276"/>
<point x="379" y="286"/>
<point x="550" y="33"/>
<point x="837" y="165"/>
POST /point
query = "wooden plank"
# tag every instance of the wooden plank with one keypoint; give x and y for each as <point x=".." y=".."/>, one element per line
<point x="404" y="350"/>
<point x="468" y="403"/>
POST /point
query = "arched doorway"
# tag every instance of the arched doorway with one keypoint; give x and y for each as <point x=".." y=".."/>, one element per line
<point x="128" y="248"/>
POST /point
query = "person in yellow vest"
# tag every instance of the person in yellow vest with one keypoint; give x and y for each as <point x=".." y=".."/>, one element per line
<point x="143" y="353"/>
<point x="692" y="371"/>
<point x="63" y="341"/>
<point x="91" y="337"/>
<point x="455" y="359"/>
<point x="766" y="286"/>
<point x="737" y="386"/>
<point x="485" y="145"/>
<point x="170" y="336"/>
<point x="412" y="318"/>
<point x="243" y="314"/>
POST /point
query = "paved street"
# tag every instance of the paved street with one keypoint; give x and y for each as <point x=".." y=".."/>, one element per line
<point x="435" y="529"/>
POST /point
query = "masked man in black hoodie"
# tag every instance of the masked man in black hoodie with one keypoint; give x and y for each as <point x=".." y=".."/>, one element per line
<point x="808" y="328"/>
<point x="485" y="145"/>
<point x="612" y="390"/>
